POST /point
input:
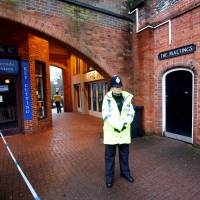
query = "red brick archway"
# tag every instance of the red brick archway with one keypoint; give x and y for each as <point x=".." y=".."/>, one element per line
<point x="106" y="45"/>
<point x="34" y="26"/>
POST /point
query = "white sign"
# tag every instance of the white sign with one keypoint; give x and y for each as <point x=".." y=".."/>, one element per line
<point x="4" y="88"/>
<point x="1" y="99"/>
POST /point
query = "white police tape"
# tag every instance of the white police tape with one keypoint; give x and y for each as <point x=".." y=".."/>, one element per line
<point x="35" y="195"/>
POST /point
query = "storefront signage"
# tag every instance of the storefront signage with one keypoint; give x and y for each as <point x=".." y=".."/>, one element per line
<point x="93" y="75"/>
<point x="26" y="90"/>
<point x="177" y="52"/>
<point x="8" y="50"/>
<point x="4" y="88"/>
<point x="8" y="66"/>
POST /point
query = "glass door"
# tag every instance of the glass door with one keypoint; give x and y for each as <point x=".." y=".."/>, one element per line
<point x="8" y="105"/>
<point x="100" y="96"/>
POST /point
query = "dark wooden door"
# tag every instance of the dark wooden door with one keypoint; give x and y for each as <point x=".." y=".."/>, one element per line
<point x="179" y="103"/>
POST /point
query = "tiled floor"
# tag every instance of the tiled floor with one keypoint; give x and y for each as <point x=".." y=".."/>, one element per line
<point x="67" y="162"/>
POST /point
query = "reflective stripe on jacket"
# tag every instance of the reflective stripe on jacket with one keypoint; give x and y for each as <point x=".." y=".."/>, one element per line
<point x="114" y="120"/>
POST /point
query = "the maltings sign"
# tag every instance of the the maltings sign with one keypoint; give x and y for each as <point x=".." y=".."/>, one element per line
<point x="177" y="52"/>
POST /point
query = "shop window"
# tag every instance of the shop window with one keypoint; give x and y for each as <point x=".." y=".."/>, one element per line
<point x="78" y="97"/>
<point x="95" y="94"/>
<point x="100" y="96"/>
<point x="89" y="97"/>
<point x="40" y="79"/>
<point x="94" y="100"/>
<point x="106" y="88"/>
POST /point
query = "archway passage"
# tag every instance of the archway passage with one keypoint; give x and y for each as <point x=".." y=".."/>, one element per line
<point x="178" y="101"/>
<point x="29" y="63"/>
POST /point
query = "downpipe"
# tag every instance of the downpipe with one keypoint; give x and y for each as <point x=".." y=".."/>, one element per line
<point x="136" y="11"/>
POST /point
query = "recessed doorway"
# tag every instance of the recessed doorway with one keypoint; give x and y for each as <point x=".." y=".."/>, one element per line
<point x="178" y="104"/>
<point x="9" y="109"/>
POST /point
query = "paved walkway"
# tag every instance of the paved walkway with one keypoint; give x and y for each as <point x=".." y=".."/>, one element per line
<point x="67" y="162"/>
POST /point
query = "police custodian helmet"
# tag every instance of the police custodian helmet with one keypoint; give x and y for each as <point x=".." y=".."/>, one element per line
<point x="116" y="81"/>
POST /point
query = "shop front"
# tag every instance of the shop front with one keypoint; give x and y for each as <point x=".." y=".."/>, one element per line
<point x="10" y="101"/>
<point x="89" y="88"/>
<point x="95" y="93"/>
<point x="23" y="88"/>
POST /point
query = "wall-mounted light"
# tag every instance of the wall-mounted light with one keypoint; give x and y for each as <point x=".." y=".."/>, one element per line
<point x="7" y="81"/>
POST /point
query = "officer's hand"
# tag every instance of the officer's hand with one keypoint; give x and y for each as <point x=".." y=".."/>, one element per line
<point x="116" y="130"/>
<point x="124" y="127"/>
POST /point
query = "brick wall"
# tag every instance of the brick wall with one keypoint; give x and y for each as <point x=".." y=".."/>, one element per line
<point x="117" y="6"/>
<point x="148" y="70"/>
<point x="143" y="76"/>
<point x="161" y="5"/>
<point x="103" y="39"/>
<point x="156" y="11"/>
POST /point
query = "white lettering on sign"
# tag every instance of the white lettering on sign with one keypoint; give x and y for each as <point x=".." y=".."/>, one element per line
<point x="177" y="52"/>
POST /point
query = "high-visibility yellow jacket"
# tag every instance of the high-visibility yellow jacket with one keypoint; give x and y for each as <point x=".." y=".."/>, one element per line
<point x="57" y="98"/>
<point x="113" y="119"/>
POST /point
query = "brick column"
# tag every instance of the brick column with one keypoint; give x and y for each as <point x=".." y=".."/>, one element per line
<point x="39" y="51"/>
<point x="143" y="50"/>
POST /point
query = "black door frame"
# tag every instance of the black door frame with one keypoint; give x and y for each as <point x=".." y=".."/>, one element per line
<point x="173" y="135"/>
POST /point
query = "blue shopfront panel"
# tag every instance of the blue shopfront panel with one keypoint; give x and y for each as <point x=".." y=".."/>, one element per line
<point x="9" y="66"/>
<point x="26" y="90"/>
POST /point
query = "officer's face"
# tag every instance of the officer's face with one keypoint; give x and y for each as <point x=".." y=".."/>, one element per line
<point x="117" y="90"/>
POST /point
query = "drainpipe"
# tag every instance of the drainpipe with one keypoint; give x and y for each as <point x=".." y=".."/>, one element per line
<point x="152" y="27"/>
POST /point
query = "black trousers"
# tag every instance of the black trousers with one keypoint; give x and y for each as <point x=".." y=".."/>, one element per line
<point x="58" y="106"/>
<point x="110" y="152"/>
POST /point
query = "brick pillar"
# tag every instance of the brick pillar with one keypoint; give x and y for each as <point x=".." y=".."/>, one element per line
<point x="143" y="50"/>
<point x="39" y="51"/>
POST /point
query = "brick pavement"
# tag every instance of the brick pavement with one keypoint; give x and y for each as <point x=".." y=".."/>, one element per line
<point x="66" y="162"/>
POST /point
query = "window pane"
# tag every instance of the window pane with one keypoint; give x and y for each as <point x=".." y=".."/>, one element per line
<point x="106" y="88"/>
<point x="89" y="97"/>
<point x="78" y="96"/>
<point x="94" y="97"/>
<point x="38" y="69"/>
<point x="100" y="96"/>
<point x="40" y="89"/>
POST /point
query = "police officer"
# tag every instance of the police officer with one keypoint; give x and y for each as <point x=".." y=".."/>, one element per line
<point x="118" y="113"/>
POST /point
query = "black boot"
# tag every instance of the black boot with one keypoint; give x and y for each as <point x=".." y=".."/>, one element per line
<point x="109" y="182"/>
<point x="129" y="178"/>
